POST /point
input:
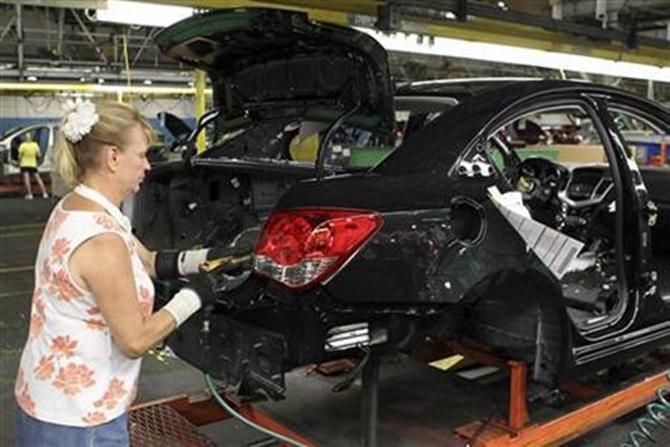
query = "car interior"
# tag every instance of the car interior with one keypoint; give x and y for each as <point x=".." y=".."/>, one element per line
<point x="556" y="159"/>
<point x="296" y="140"/>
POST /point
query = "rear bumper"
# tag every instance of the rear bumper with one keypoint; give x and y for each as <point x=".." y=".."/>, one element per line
<point x="250" y="343"/>
<point x="245" y="358"/>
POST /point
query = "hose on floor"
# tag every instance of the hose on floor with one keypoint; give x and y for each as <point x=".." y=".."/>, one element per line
<point x="657" y="418"/>
<point x="226" y="406"/>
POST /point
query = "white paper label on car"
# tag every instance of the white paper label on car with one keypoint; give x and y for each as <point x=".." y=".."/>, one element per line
<point x="556" y="250"/>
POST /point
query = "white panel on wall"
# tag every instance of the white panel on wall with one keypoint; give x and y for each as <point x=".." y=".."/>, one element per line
<point x="29" y="107"/>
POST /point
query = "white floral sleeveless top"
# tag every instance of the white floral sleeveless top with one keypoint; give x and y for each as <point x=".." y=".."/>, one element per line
<point x="71" y="371"/>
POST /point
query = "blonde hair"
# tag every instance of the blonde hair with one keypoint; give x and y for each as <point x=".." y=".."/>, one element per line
<point x="74" y="159"/>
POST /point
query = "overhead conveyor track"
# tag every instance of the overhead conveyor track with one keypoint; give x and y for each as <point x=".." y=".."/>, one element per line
<point x="484" y="23"/>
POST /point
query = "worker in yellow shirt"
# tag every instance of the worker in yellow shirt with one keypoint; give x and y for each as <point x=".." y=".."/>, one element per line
<point x="29" y="152"/>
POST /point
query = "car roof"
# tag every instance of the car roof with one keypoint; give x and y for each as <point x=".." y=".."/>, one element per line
<point x="424" y="103"/>
<point x="460" y="88"/>
<point x="442" y="141"/>
<point x="13" y="131"/>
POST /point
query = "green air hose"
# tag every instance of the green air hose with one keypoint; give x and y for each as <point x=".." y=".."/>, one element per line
<point x="231" y="411"/>
<point x="657" y="417"/>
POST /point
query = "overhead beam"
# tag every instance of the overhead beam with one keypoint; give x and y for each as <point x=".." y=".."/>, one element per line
<point x="61" y="24"/>
<point x="367" y="7"/>
<point x="19" y="39"/>
<point x="146" y="41"/>
<point x="47" y="21"/>
<point x="80" y="4"/>
<point x="486" y="23"/>
<point x="492" y="14"/>
<point x="494" y="31"/>
<point x="7" y="28"/>
<point x="65" y="75"/>
<point x="85" y="67"/>
<point x="585" y="8"/>
<point x="90" y="38"/>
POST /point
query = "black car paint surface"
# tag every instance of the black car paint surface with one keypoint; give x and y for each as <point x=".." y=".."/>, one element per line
<point x="445" y="262"/>
<point x="423" y="273"/>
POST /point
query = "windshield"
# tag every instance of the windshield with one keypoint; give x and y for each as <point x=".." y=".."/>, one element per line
<point x="11" y="131"/>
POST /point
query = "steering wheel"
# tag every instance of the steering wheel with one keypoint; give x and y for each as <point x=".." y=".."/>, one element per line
<point x="539" y="179"/>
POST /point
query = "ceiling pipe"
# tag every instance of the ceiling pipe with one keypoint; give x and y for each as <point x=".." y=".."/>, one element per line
<point x="90" y="38"/>
<point x="19" y="38"/>
<point x="7" y="28"/>
<point x="61" y="23"/>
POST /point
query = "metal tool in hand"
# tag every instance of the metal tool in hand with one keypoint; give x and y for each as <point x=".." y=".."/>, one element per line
<point x="225" y="263"/>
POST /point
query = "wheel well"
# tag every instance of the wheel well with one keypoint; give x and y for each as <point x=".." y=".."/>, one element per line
<point x="520" y="315"/>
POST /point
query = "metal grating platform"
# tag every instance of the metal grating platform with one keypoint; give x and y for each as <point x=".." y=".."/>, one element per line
<point x="161" y="425"/>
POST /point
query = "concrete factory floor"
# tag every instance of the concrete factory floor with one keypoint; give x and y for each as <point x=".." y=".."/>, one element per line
<point x="419" y="405"/>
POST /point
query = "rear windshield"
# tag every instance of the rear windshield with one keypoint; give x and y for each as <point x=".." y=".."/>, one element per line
<point x="440" y="142"/>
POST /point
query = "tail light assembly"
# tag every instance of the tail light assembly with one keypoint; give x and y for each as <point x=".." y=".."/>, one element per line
<point x="303" y="246"/>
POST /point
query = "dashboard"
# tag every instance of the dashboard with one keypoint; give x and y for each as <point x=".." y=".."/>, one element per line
<point x="587" y="185"/>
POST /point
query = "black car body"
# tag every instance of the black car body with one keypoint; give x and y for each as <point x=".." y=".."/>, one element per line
<point x="422" y="245"/>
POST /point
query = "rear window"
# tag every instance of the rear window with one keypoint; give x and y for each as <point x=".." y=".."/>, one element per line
<point x="439" y="143"/>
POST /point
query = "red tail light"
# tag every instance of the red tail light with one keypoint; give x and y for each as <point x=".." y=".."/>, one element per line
<point x="302" y="246"/>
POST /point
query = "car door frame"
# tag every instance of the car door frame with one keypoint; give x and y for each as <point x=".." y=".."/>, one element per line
<point x="660" y="118"/>
<point x="594" y="345"/>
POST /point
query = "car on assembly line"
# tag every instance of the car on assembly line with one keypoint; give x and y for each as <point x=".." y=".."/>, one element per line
<point x="43" y="134"/>
<point x="483" y="223"/>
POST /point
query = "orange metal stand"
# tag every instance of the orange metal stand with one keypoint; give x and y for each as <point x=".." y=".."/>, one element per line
<point x="517" y="409"/>
<point x="174" y="421"/>
<point x="518" y="431"/>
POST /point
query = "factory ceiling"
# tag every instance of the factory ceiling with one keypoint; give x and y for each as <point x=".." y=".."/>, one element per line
<point x="63" y="41"/>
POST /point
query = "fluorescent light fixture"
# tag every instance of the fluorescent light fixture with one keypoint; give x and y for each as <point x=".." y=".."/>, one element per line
<point x="103" y="88"/>
<point x="142" y="13"/>
<point x="444" y="46"/>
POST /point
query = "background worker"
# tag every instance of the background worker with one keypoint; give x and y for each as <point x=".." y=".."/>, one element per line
<point x="29" y="152"/>
<point x="92" y="314"/>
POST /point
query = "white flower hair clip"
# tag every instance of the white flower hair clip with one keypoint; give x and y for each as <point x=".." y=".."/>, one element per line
<point x="80" y="117"/>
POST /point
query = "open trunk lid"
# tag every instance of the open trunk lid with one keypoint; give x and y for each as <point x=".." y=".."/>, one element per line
<point x="270" y="57"/>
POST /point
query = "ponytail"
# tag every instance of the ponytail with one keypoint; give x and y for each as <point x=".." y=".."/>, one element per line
<point x="66" y="167"/>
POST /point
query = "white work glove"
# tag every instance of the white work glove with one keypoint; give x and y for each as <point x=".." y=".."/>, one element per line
<point x="187" y="301"/>
<point x="183" y="304"/>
